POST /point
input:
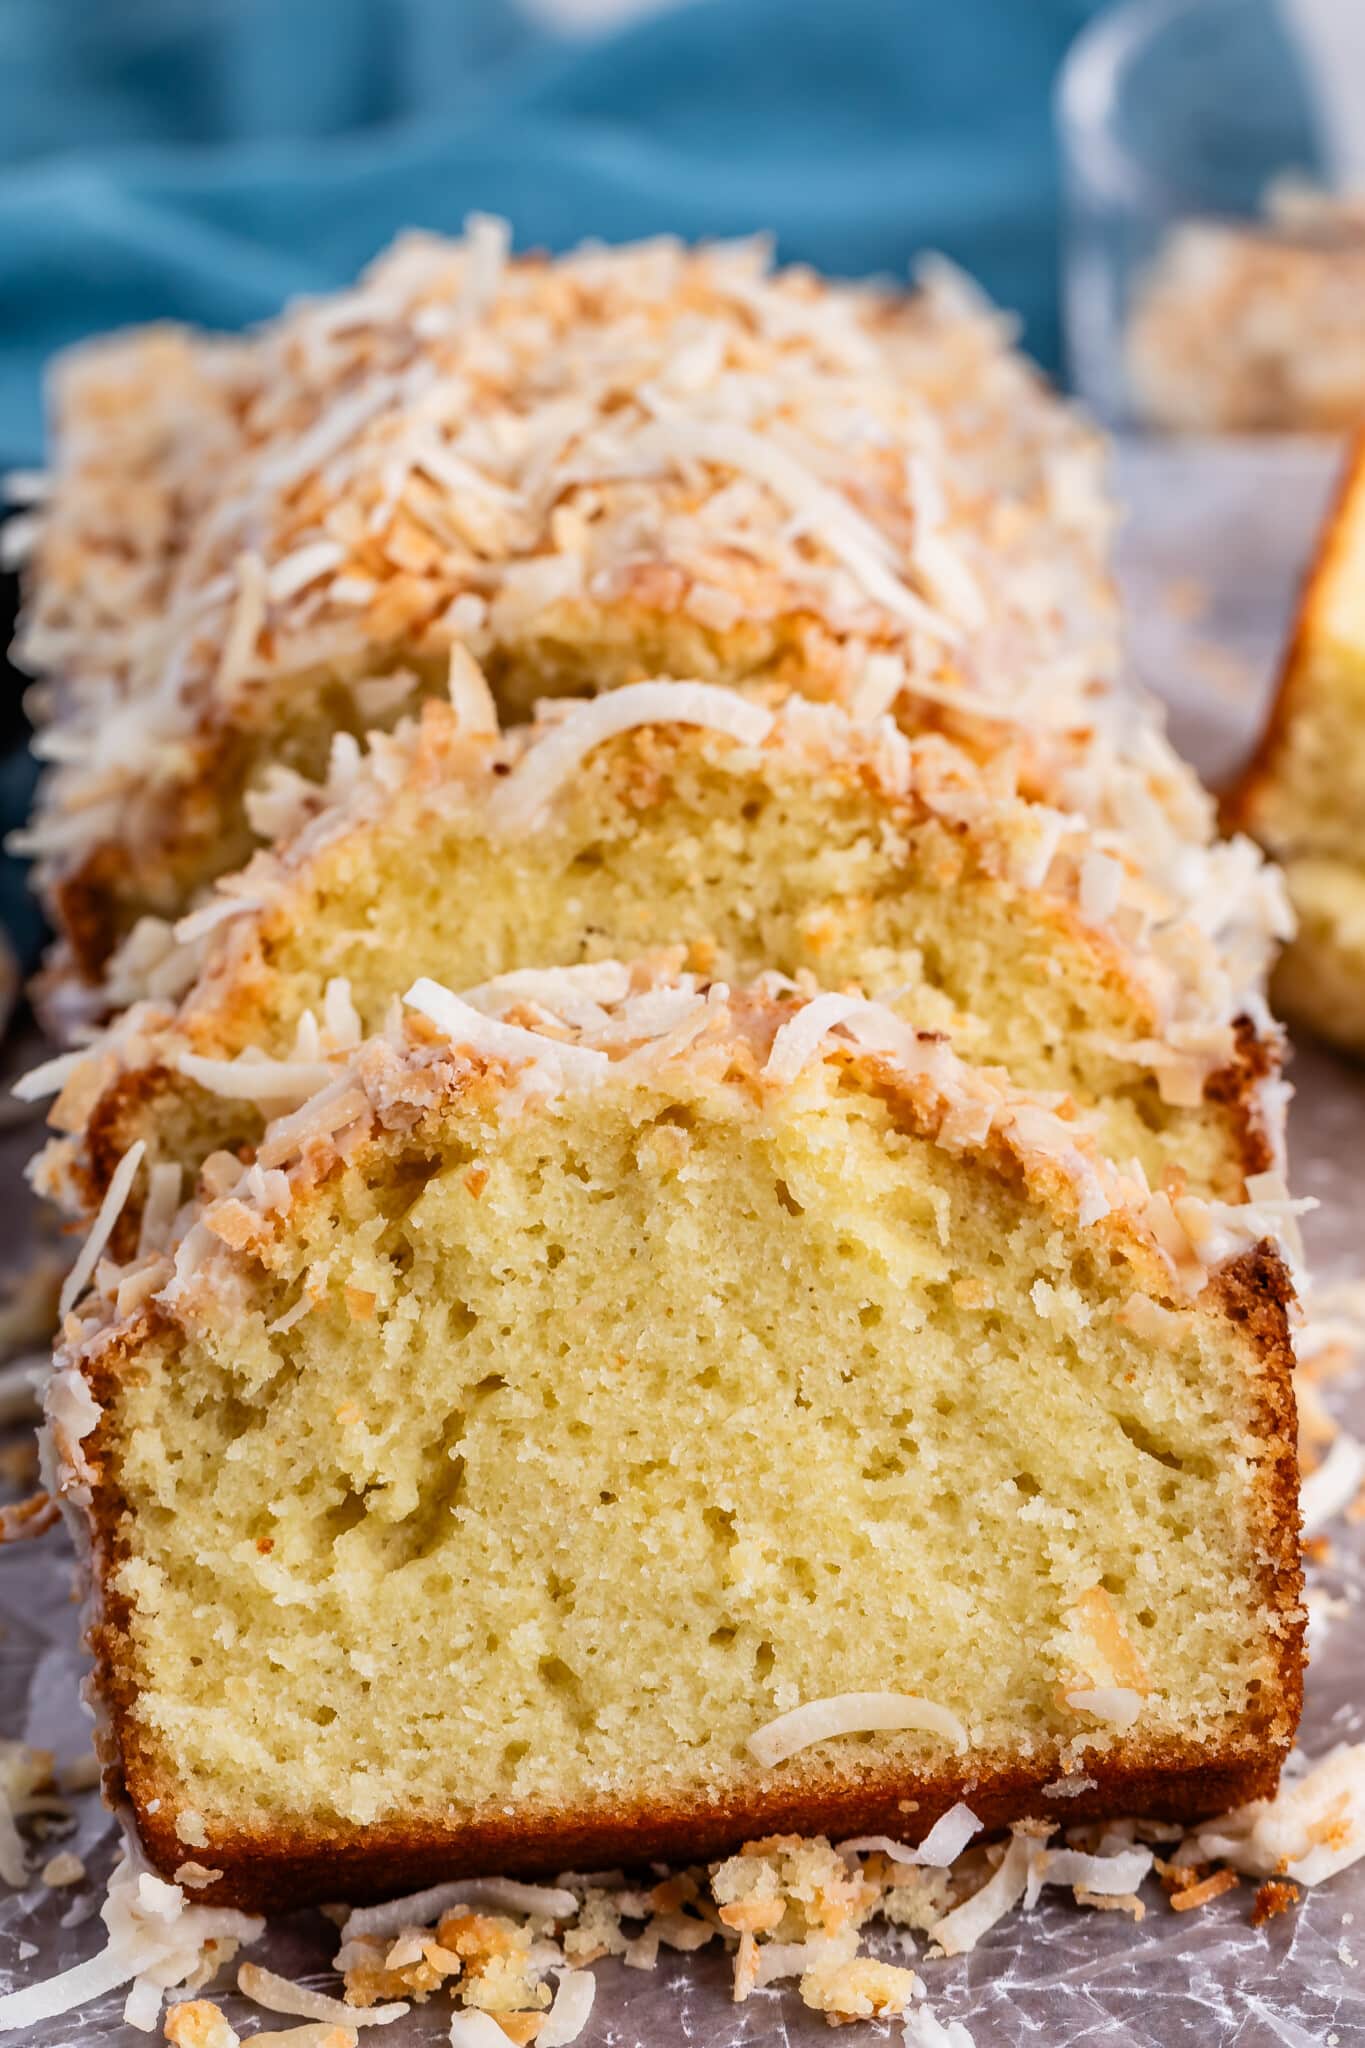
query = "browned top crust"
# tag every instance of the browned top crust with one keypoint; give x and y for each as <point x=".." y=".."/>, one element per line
<point x="1244" y="803"/>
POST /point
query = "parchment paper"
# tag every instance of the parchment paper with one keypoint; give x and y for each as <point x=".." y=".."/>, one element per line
<point x="1209" y="560"/>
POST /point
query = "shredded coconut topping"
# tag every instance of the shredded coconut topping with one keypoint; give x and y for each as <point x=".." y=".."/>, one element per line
<point x="850" y="1713"/>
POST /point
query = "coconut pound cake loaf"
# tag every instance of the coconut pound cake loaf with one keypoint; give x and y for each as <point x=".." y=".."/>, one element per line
<point x="622" y="463"/>
<point x="1303" y="794"/>
<point x="672" y="815"/>
<point x="659" y="1415"/>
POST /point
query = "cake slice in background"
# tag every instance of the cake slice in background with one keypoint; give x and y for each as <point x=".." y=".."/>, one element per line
<point x="701" y="1415"/>
<point x="624" y="462"/>
<point x="1121" y="974"/>
<point x="1303" y="793"/>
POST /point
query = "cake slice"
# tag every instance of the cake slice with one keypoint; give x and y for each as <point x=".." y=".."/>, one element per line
<point x="623" y="462"/>
<point x="665" y="1416"/>
<point x="683" y="815"/>
<point x="1303" y="794"/>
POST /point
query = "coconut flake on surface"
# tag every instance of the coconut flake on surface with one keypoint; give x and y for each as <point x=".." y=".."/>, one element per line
<point x="961" y="1929"/>
<point x="101" y="1230"/>
<point x="470" y="1030"/>
<point x="570" y="2010"/>
<point x="1120" y="1705"/>
<point x="474" y="2029"/>
<point x="551" y="759"/>
<point x="948" y="1837"/>
<point x="251" y="1077"/>
<point x="1115" y="1875"/>
<point x="424" y="1909"/>
<point x="1312" y="1828"/>
<point x="197" y="924"/>
<point x="799" y="1039"/>
<point x="157" y="1940"/>
<point x="280" y="1994"/>
<point x="924" y="2029"/>
<point x="470" y="696"/>
<point x="850" y="1713"/>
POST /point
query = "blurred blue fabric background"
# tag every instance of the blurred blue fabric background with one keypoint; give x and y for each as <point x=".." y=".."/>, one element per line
<point x="205" y="159"/>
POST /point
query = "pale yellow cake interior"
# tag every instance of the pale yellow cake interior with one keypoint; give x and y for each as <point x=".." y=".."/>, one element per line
<point x="653" y="844"/>
<point x="629" y="1423"/>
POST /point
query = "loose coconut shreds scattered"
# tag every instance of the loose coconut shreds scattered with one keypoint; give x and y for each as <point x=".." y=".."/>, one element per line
<point x="1312" y="1828"/>
<point x="789" y="1907"/>
<point x="158" y="1940"/>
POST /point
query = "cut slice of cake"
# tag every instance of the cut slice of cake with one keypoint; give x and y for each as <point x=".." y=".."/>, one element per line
<point x="1303" y="794"/>
<point x="624" y="462"/>
<point x="660" y="1416"/>
<point x="686" y="816"/>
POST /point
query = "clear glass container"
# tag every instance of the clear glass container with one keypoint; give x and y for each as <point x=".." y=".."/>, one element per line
<point x="1177" y="116"/>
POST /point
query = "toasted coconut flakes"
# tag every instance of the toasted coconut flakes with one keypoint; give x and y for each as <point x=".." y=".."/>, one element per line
<point x="861" y="1989"/>
<point x="293" y="573"/>
<point x="1101" y="886"/>
<point x="472" y="2029"/>
<point x="798" y="1040"/>
<point x="948" y="1837"/>
<point x="1329" y="1490"/>
<point x="248" y="617"/>
<point x="577" y="994"/>
<point x="1111" y="1876"/>
<point x="568" y="2015"/>
<point x="961" y="1929"/>
<point x="278" y="1994"/>
<point x="64" y="1868"/>
<point x="1311" y="1829"/>
<point x="775" y="1961"/>
<point x="110" y="1209"/>
<point x="850" y="1713"/>
<point x="470" y="1029"/>
<point x="50" y="1077"/>
<point x="314" y="2034"/>
<point x="254" y="1079"/>
<point x="1117" y="1704"/>
<point x="199" y="2023"/>
<point x="157" y="1940"/>
<point x="197" y="924"/>
<point x="22" y="1520"/>
<point x="159" y="1209"/>
<point x="424" y="1909"/>
<point x="1191" y="1896"/>
<point x="469" y="693"/>
<point x="1273" y="1898"/>
<point x="827" y="514"/>
<point x="552" y="760"/>
<point x="1100" y="1620"/>
<point x="924" y="2029"/>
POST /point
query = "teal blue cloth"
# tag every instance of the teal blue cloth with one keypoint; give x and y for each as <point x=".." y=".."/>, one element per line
<point x="205" y="159"/>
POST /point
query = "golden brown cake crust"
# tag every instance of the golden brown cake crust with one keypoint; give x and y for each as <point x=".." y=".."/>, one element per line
<point x="1240" y="802"/>
<point x="290" y="1866"/>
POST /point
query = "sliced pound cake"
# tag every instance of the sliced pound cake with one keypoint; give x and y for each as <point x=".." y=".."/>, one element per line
<point x="659" y="1416"/>
<point x="1303" y="795"/>
<point x="687" y="816"/>
<point x="624" y="462"/>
